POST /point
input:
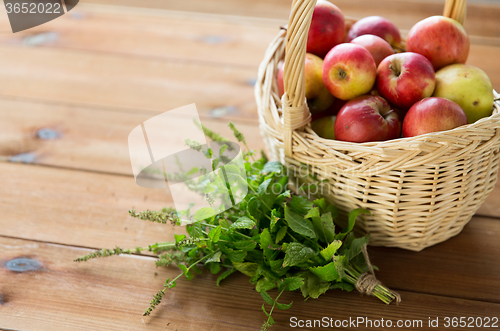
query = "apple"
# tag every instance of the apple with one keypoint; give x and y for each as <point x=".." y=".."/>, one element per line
<point x="378" y="47"/>
<point x="349" y="71"/>
<point x="327" y="28"/>
<point x="324" y="127"/>
<point x="433" y="115"/>
<point x="318" y="97"/>
<point x="468" y="86"/>
<point x="440" y="39"/>
<point x="333" y="110"/>
<point x="405" y="78"/>
<point x="378" y="26"/>
<point x="367" y="118"/>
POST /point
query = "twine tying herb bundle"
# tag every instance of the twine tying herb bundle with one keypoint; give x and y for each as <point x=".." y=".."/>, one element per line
<point x="280" y="240"/>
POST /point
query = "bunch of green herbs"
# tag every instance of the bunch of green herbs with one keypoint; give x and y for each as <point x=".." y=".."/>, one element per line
<point x="278" y="239"/>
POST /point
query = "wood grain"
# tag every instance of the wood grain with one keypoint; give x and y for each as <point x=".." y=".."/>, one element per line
<point x="78" y="208"/>
<point x="152" y="82"/>
<point x="111" y="294"/>
<point x="481" y="17"/>
<point x="161" y="34"/>
<point x="464" y="266"/>
<point x="128" y="82"/>
<point x="90" y="210"/>
<point x="87" y="138"/>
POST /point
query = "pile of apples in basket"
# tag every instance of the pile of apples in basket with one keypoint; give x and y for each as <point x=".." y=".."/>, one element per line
<point x="362" y="86"/>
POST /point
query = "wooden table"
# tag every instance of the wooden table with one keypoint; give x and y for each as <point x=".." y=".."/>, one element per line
<point x="71" y="91"/>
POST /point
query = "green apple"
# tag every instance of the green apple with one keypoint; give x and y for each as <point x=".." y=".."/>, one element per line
<point x="468" y="86"/>
<point x="324" y="127"/>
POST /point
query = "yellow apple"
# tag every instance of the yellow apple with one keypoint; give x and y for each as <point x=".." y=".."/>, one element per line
<point x="468" y="86"/>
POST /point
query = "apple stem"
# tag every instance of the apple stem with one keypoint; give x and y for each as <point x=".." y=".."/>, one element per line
<point x="395" y="68"/>
<point x="342" y="73"/>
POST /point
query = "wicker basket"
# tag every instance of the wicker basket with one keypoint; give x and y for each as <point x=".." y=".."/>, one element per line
<point x="420" y="191"/>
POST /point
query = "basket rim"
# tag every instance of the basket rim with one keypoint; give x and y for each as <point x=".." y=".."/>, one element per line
<point x="420" y="138"/>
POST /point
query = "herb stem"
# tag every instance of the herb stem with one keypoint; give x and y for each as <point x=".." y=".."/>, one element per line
<point x="380" y="291"/>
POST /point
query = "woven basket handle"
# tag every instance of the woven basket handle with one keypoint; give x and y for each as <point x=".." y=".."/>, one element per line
<point x="295" y="111"/>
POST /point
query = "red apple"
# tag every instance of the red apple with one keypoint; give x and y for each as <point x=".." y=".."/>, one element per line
<point x="378" y="47"/>
<point x="280" y="77"/>
<point x="318" y="97"/>
<point x="405" y="78"/>
<point x="377" y="26"/>
<point x="367" y="118"/>
<point x="440" y="39"/>
<point x="349" y="71"/>
<point x="433" y="115"/>
<point x="327" y="28"/>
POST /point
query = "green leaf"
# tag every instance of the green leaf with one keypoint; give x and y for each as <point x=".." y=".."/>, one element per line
<point x="324" y="227"/>
<point x="274" y="219"/>
<point x="313" y="286"/>
<point x="224" y="223"/>
<point x="282" y="197"/>
<point x="343" y="286"/>
<point x="196" y="230"/>
<point x="192" y="171"/>
<point x="297" y="253"/>
<point x="264" y="284"/>
<point x="277" y="267"/>
<point x="356" y="247"/>
<point x="246" y="268"/>
<point x="222" y="149"/>
<point x="245" y="245"/>
<point x="179" y="238"/>
<point x="189" y="275"/>
<point x="266" y="244"/>
<point x="320" y="203"/>
<point x="214" y="268"/>
<point x="327" y="272"/>
<point x="215" y="233"/>
<point x="267" y="298"/>
<point x="204" y="213"/>
<point x="300" y="204"/>
<point x="281" y="234"/>
<point x="224" y="275"/>
<point x="263" y="187"/>
<point x="237" y="256"/>
<point x="283" y="306"/>
<point x="243" y="223"/>
<point x="298" y="224"/>
<point x="330" y="250"/>
<point x="273" y="166"/>
<point x="214" y="258"/>
<point x="291" y="283"/>
<point x="265" y="239"/>
<point x="254" y="208"/>
<point x="314" y="212"/>
<point x="351" y="221"/>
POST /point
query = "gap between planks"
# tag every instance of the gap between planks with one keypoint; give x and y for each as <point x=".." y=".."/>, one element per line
<point x="114" y="291"/>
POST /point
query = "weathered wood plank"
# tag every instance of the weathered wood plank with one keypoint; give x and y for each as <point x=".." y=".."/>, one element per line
<point x="96" y="139"/>
<point x="468" y="261"/>
<point x="183" y="36"/>
<point x="481" y="16"/>
<point x="133" y="83"/>
<point x="90" y="210"/>
<point x="111" y="294"/>
<point x="87" y="138"/>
